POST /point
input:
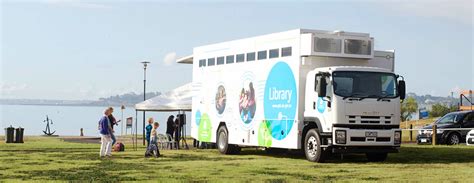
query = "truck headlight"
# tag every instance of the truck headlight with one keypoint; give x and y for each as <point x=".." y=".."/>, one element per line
<point x="340" y="137"/>
<point x="397" y="137"/>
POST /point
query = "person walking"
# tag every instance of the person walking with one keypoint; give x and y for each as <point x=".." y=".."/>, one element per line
<point x="105" y="135"/>
<point x="170" y="130"/>
<point x="112" y="123"/>
<point x="152" y="149"/>
<point x="148" y="129"/>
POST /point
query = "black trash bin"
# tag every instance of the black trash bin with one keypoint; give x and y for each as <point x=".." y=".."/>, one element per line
<point x="9" y="133"/>
<point x="19" y="135"/>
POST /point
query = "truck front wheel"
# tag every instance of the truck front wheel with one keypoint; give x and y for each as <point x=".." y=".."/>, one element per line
<point x="376" y="157"/>
<point x="312" y="147"/>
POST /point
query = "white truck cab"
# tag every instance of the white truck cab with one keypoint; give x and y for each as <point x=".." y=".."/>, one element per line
<point x="355" y="108"/>
<point x="319" y="91"/>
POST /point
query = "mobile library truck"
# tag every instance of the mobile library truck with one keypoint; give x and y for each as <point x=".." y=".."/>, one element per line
<point x="319" y="91"/>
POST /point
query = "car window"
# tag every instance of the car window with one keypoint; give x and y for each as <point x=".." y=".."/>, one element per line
<point x="449" y="118"/>
<point x="469" y="118"/>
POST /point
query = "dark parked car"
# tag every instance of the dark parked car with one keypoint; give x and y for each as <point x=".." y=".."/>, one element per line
<point x="446" y="132"/>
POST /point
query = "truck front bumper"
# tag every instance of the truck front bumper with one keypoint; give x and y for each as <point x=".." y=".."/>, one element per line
<point x="367" y="138"/>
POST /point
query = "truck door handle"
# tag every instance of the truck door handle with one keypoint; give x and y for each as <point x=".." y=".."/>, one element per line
<point x="314" y="105"/>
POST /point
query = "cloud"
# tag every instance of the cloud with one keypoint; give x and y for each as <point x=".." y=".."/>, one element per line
<point x="77" y="4"/>
<point x="459" y="11"/>
<point x="12" y="88"/>
<point x="170" y="58"/>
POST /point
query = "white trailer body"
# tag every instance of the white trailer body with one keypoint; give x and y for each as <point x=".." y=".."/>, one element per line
<point x="262" y="91"/>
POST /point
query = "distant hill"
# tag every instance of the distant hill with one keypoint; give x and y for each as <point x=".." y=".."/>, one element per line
<point x="127" y="99"/>
<point x="428" y="100"/>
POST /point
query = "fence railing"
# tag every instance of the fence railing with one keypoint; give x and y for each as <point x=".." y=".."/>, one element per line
<point x="433" y="131"/>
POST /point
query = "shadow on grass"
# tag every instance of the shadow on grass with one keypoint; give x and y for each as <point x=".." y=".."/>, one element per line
<point x="407" y="155"/>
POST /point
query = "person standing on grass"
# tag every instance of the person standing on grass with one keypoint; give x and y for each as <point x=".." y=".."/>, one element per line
<point x="152" y="149"/>
<point x="148" y="129"/>
<point x="170" y="129"/>
<point x="105" y="135"/>
<point x="112" y="123"/>
<point x="177" y="131"/>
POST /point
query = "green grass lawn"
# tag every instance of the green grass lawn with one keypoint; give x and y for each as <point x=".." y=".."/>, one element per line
<point x="49" y="159"/>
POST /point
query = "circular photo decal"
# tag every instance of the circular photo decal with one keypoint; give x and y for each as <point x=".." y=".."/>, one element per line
<point x="247" y="102"/>
<point x="220" y="99"/>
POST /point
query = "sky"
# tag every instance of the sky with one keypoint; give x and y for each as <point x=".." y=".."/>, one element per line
<point x="67" y="49"/>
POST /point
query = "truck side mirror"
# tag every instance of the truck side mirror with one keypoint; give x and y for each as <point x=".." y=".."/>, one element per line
<point x="322" y="86"/>
<point x="402" y="89"/>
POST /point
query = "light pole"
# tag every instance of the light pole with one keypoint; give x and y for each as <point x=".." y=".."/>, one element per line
<point x="145" y="64"/>
<point x="121" y="130"/>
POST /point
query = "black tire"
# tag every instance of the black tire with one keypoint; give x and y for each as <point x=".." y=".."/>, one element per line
<point x="453" y="139"/>
<point x="312" y="147"/>
<point x="223" y="142"/>
<point x="376" y="157"/>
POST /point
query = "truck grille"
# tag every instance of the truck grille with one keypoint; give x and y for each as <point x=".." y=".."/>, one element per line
<point x="369" y="119"/>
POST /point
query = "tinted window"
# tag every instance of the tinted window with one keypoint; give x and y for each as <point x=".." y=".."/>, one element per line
<point x="229" y="59"/>
<point x="240" y="57"/>
<point x="469" y="117"/>
<point x="262" y="55"/>
<point x="251" y="56"/>
<point x="275" y="53"/>
<point x="211" y="61"/>
<point x="202" y="63"/>
<point x="286" y="51"/>
<point x="220" y="60"/>
<point x="449" y="118"/>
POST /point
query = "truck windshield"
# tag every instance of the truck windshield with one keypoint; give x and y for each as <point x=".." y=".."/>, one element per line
<point x="364" y="84"/>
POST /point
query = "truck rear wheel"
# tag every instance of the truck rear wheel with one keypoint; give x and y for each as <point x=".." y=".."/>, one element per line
<point x="223" y="142"/>
<point x="376" y="157"/>
<point x="312" y="147"/>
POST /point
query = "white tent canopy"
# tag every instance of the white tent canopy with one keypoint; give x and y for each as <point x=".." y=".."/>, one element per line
<point x="178" y="99"/>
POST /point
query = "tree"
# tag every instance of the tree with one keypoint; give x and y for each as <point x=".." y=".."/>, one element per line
<point x="438" y="110"/>
<point x="409" y="106"/>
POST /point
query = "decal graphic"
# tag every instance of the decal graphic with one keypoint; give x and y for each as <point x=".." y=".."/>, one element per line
<point x="198" y="117"/>
<point x="280" y="100"/>
<point x="220" y="99"/>
<point x="205" y="128"/>
<point x="321" y="105"/>
<point x="247" y="101"/>
<point x="264" y="134"/>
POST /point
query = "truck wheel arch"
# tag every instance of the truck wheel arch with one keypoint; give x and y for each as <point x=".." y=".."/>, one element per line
<point x="310" y="123"/>
<point x="222" y="123"/>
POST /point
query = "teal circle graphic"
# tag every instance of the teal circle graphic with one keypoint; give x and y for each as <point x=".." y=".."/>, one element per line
<point x="280" y="98"/>
<point x="321" y="105"/>
<point x="198" y="117"/>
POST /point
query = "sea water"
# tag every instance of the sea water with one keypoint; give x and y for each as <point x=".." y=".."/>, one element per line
<point x="68" y="120"/>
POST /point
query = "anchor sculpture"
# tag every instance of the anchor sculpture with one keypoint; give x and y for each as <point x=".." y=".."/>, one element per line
<point x="47" y="131"/>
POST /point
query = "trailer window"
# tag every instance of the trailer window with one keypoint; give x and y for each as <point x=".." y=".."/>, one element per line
<point x="275" y="53"/>
<point x="251" y="56"/>
<point x="211" y="61"/>
<point x="202" y="63"/>
<point x="285" y="51"/>
<point x="220" y="60"/>
<point x="229" y="59"/>
<point x="262" y="55"/>
<point x="240" y="57"/>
